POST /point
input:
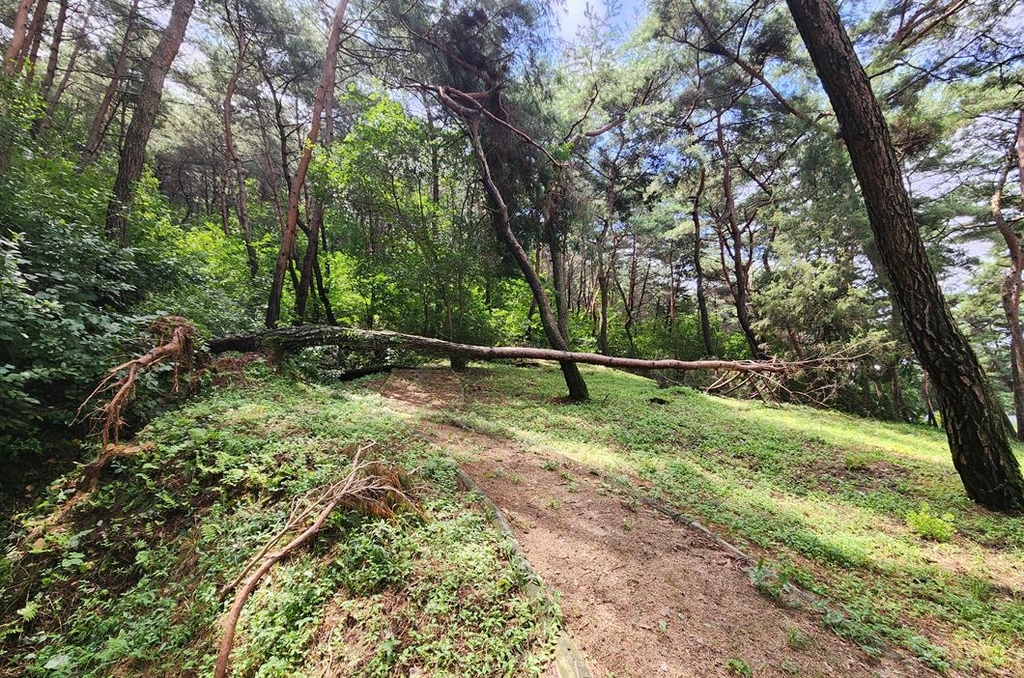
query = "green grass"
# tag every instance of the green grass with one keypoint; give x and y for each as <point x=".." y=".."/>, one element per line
<point x="835" y="502"/>
<point x="126" y="583"/>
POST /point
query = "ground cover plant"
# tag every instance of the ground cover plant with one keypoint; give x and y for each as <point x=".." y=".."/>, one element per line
<point x="127" y="579"/>
<point x="868" y="515"/>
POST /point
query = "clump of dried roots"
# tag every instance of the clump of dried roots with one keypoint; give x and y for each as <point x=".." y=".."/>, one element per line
<point x="174" y="336"/>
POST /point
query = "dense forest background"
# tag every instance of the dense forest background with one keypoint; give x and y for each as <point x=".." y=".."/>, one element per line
<point x="667" y="182"/>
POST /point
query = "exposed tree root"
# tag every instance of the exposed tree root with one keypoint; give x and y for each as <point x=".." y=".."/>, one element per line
<point x="372" y="487"/>
<point x="174" y="335"/>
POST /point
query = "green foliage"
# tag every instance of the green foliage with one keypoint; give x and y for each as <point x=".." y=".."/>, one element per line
<point x="129" y="576"/>
<point x="738" y="667"/>
<point x="934" y="527"/>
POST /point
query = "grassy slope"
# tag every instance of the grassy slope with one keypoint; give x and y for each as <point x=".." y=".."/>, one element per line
<point x="823" y="496"/>
<point x="126" y="583"/>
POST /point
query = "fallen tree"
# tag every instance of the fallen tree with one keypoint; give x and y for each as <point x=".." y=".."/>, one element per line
<point x="280" y="342"/>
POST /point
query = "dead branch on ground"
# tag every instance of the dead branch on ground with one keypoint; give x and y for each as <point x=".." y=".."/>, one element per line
<point x="371" y="487"/>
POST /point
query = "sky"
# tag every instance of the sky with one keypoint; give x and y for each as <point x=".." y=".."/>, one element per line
<point x="572" y="15"/>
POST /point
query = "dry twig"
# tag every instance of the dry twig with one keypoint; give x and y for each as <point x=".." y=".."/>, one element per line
<point x="373" y="487"/>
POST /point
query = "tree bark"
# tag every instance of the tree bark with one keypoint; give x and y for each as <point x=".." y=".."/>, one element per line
<point x="288" y="339"/>
<point x="54" y="57"/>
<point x="19" y="36"/>
<point x="53" y="97"/>
<point x="1011" y="292"/>
<point x="323" y="94"/>
<point x="503" y="226"/>
<point x="129" y="169"/>
<point x="94" y="142"/>
<point x="970" y="413"/>
<point x="241" y="198"/>
<point x="741" y="288"/>
<point x="30" y="51"/>
<point x="702" y="302"/>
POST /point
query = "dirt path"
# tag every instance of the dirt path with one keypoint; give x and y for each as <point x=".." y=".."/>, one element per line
<point x="642" y="596"/>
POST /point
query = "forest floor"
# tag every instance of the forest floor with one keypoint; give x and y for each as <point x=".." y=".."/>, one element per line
<point x="867" y="558"/>
<point x="641" y="594"/>
<point x="908" y="576"/>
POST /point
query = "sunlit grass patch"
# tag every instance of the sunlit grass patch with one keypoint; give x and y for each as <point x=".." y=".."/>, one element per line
<point x="835" y="499"/>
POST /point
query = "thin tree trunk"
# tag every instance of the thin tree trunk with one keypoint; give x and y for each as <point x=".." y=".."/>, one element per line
<point x="295" y="193"/>
<point x="310" y="263"/>
<point x="100" y="122"/>
<point x="558" y="277"/>
<point x="129" y="169"/>
<point x="241" y="198"/>
<point x="698" y="267"/>
<point x="19" y="37"/>
<point x="502" y="224"/>
<point x="54" y="97"/>
<point x="51" y="62"/>
<point x="33" y="40"/>
<point x="1011" y="288"/>
<point x="970" y="413"/>
<point x="741" y="290"/>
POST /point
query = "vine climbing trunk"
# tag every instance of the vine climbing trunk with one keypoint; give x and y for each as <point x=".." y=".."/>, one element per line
<point x="970" y="413"/>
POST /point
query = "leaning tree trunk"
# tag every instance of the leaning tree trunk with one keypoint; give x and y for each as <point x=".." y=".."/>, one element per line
<point x="100" y="122"/>
<point x="241" y="198"/>
<point x="741" y="290"/>
<point x="323" y="94"/>
<point x="970" y="413"/>
<point x="1011" y="292"/>
<point x="34" y="38"/>
<point x="503" y="227"/>
<point x="55" y="42"/>
<point x="19" y="36"/>
<point x="129" y="169"/>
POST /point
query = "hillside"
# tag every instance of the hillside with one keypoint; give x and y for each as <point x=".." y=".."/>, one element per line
<point x="868" y="559"/>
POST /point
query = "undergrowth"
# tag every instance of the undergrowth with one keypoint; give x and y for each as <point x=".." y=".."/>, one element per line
<point x="125" y="580"/>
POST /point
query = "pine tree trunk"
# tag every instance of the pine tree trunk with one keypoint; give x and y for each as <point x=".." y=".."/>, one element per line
<point x="741" y="289"/>
<point x="33" y="39"/>
<point x="241" y="198"/>
<point x="129" y="169"/>
<point x="970" y="413"/>
<point x="702" y="302"/>
<point x="54" y="57"/>
<point x="98" y="130"/>
<point x="503" y="228"/>
<point x="19" y="36"/>
<point x="53" y="96"/>
<point x="323" y="94"/>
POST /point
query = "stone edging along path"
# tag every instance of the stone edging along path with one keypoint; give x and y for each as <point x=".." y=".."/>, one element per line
<point x="569" y="661"/>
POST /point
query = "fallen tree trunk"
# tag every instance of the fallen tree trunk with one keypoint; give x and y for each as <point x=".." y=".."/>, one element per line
<point x="279" y="342"/>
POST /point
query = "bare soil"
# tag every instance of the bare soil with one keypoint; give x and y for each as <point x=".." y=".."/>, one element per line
<point x="640" y="594"/>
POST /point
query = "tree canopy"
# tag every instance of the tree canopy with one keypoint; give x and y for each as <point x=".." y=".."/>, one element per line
<point x="675" y="180"/>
